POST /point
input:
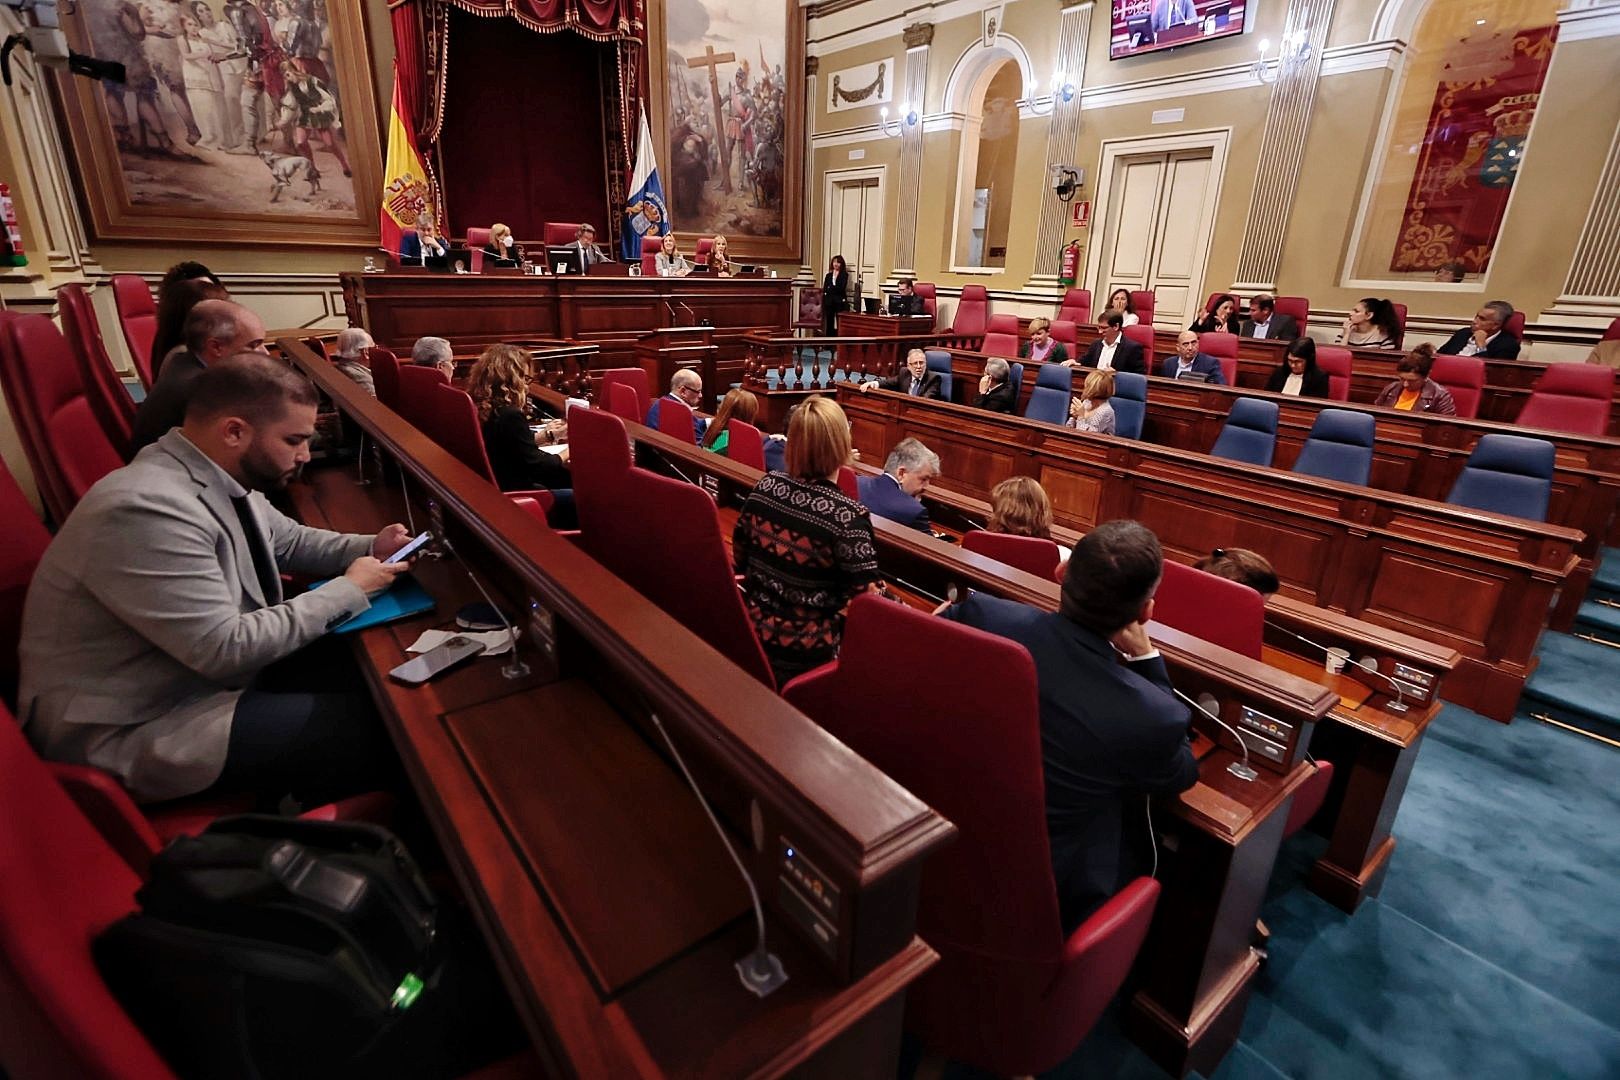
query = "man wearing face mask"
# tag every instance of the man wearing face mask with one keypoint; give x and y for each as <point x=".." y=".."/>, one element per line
<point x="159" y="604"/>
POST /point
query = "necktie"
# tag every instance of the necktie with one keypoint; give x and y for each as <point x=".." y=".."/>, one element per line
<point x="264" y="567"/>
<point x="916" y="387"/>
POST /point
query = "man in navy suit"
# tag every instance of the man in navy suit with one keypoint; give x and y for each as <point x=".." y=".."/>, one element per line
<point x="906" y="474"/>
<point x="1113" y="350"/>
<point x="1112" y="733"/>
<point x="686" y="387"/>
<point x="1486" y="337"/>
<point x="1189" y="359"/>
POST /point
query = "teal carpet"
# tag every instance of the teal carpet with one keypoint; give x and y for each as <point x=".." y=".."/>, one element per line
<point x="1493" y="950"/>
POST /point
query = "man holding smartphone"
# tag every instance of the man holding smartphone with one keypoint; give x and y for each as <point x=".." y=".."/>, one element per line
<point x="156" y="610"/>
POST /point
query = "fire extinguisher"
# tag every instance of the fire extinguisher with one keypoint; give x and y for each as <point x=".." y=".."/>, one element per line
<point x="11" y="249"/>
<point x="1069" y="266"/>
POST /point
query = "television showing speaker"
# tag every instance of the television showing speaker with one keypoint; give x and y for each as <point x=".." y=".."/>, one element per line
<point x="1140" y="26"/>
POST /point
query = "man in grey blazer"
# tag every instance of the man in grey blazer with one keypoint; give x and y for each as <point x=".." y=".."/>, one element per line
<point x="160" y="602"/>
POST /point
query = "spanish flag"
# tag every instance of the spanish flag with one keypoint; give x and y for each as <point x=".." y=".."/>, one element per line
<point x="406" y="191"/>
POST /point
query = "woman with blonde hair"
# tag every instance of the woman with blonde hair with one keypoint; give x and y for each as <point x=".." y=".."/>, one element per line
<point x="1040" y="345"/>
<point x="499" y="386"/>
<point x="719" y="261"/>
<point x="669" y="262"/>
<point x="502" y="247"/>
<point x="1092" y="411"/>
<point x="1019" y="507"/>
<point x="804" y="548"/>
<point x="738" y="404"/>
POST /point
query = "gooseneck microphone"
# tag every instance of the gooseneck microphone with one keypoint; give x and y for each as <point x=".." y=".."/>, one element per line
<point x="760" y="971"/>
<point x="1366" y="663"/>
<point x="514" y="668"/>
<point x="1207" y="705"/>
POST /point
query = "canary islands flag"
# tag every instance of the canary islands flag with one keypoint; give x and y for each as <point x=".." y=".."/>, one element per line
<point x="406" y="191"/>
<point x="645" y="213"/>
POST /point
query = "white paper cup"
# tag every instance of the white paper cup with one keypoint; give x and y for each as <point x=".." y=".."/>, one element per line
<point x="1336" y="659"/>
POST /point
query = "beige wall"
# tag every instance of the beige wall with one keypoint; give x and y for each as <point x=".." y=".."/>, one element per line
<point x="1578" y="114"/>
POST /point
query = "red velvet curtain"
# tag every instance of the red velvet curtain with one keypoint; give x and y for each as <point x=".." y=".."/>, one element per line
<point x="604" y="20"/>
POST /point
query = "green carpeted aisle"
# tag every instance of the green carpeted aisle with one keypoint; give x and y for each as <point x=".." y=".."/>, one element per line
<point x="1493" y="950"/>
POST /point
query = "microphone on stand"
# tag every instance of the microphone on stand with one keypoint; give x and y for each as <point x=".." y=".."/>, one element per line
<point x="761" y="970"/>
<point x="1207" y="705"/>
<point x="675" y="320"/>
<point x="514" y="668"/>
<point x="690" y="314"/>
<point x="1367" y="664"/>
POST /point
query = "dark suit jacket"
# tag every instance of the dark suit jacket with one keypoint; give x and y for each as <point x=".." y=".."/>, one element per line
<point x="1110" y="734"/>
<point x="882" y="496"/>
<point x="500" y="256"/>
<point x="410" y="247"/>
<point x="1127" y="355"/>
<point x="519" y="464"/>
<point x="906" y="305"/>
<point x="931" y="383"/>
<point x="835" y="292"/>
<point x="1282" y="328"/>
<point x="1315" y="384"/>
<point x="165" y="404"/>
<point x="1003" y="398"/>
<point x="1203" y="363"/>
<point x="1206" y="323"/>
<point x="1504" y="346"/>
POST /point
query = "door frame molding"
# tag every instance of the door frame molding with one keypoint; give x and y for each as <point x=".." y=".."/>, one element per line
<point x="1216" y="140"/>
<point x="831" y="180"/>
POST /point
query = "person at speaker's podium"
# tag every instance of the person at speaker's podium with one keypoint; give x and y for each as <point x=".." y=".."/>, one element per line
<point x="905" y="300"/>
<point x="423" y="244"/>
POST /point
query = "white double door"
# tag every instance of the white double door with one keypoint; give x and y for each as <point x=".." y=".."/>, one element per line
<point x="1156" y="230"/>
<point x="855" y="228"/>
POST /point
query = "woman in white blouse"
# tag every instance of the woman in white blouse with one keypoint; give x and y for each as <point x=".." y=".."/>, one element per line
<point x="669" y="261"/>
<point x="1091" y="411"/>
<point x="1120" y="300"/>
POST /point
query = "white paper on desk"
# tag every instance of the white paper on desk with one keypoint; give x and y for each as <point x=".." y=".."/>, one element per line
<point x="555" y="449"/>
<point x="495" y="642"/>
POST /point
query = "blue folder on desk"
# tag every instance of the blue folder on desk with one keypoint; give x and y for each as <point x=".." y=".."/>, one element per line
<point x="403" y="599"/>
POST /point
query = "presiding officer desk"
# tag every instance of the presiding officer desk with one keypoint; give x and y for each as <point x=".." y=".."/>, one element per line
<point x="608" y="902"/>
<point x="1479" y="583"/>
<point x="1219" y="839"/>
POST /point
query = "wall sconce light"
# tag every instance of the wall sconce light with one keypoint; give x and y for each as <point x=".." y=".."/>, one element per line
<point x="908" y="118"/>
<point x="1294" y="49"/>
<point x="1062" y="90"/>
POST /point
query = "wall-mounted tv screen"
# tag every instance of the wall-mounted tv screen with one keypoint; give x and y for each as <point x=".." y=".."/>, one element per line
<point x="1141" y="26"/>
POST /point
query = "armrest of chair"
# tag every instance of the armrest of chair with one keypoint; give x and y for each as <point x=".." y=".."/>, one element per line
<point x="1100" y="952"/>
<point x="103" y="800"/>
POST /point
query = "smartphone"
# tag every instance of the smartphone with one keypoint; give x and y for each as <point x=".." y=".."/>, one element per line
<point x="434" y="662"/>
<point x="409" y="549"/>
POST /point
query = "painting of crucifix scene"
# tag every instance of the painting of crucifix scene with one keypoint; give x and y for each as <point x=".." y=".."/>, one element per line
<point x="733" y="116"/>
<point x="230" y="109"/>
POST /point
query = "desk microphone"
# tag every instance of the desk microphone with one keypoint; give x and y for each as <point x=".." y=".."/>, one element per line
<point x="1366" y="664"/>
<point x="514" y="668"/>
<point x="1207" y="705"/>
<point x="760" y="971"/>
<point x="674" y="319"/>
<point x="690" y="314"/>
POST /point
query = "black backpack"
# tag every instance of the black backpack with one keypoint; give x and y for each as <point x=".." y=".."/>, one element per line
<point x="270" y="947"/>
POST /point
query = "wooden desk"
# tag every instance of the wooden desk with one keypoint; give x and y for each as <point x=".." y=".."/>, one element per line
<point x="1220" y="838"/>
<point x="402" y="305"/>
<point x="1474" y="582"/>
<point x="606" y="899"/>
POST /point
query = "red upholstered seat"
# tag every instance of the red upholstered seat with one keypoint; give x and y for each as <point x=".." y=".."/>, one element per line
<point x="847" y="482"/>
<point x="416" y="398"/>
<point x="1142" y="301"/>
<point x="972" y="312"/>
<point x="636" y="379"/>
<point x="809" y="309"/>
<point x="46" y="480"/>
<point x="476" y="239"/>
<point x="74" y="452"/>
<point x="662" y="537"/>
<point x="1031" y="554"/>
<point x="1209" y="305"/>
<point x="745" y="445"/>
<point x="1569" y="397"/>
<point x="1515" y="325"/>
<point x="1298" y="307"/>
<point x="1142" y="334"/>
<point x="1464" y="376"/>
<point x="1400" y="323"/>
<point x="1308" y="798"/>
<point x="26" y="540"/>
<point x="622" y="402"/>
<point x="1335" y="360"/>
<point x="1613" y="332"/>
<point x="385" y="376"/>
<point x="1065" y="331"/>
<point x="675" y="419"/>
<point x="559" y="233"/>
<point x="1076" y="306"/>
<point x="1215" y="609"/>
<point x="930" y="298"/>
<point x="1223" y="347"/>
<point x="962" y="732"/>
<point x="111" y="403"/>
<point x="137" y="318"/>
<point x="61" y="885"/>
<point x="318" y="347"/>
<point x="701" y="251"/>
<point x="650" y="247"/>
<point x="450" y="418"/>
<point x="1001" y="337"/>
